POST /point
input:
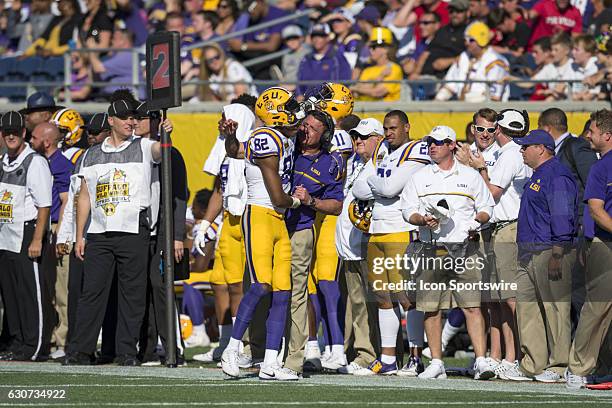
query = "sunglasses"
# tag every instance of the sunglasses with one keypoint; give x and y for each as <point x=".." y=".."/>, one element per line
<point x="337" y="20"/>
<point x="376" y="45"/>
<point x="525" y="147"/>
<point x="359" y="136"/>
<point x="481" y="129"/>
<point x="213" y="59"/>
<point x="431" y="140"/>
<point x="427" y="22"/>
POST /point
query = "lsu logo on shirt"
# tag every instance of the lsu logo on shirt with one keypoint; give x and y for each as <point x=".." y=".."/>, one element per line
<point x="111" y="189"/>
<point x="535" y="186"/>
<point x="6" y="207"/>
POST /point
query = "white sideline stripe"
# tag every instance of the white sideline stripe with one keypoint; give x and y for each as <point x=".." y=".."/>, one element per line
<point x="40" y="313"/>
<point x="285" y="403"/>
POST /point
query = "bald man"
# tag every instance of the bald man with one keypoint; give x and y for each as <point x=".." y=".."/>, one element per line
<point x="45" y="138"/>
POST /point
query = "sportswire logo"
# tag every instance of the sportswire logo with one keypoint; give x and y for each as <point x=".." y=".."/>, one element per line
<point x="112" y="189"/>
<point x="6" y="207"/>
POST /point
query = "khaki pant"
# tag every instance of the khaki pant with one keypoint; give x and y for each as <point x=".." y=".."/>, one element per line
<point x="506" y="265"/>
<point x="596" y="314"/>
<point x="358" y="331"/>
<point x="61" y="296"/>
<point x="543" y="314"/>
<point x="302" y="243"/>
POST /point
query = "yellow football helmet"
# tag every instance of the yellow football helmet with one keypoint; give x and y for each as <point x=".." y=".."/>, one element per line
<point x="360" y="214"/>
<point x="186" y="326"/>
<point x="71" y="124"/>
<point x="277" y="106"/>
<point x="335" y="99"/>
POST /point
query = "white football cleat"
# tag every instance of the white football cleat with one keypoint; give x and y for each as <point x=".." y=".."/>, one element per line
<point x="413" y="368"/>
<point x="435" y="370"/>
<point x="199" y="339"/>
<point x="573" y="381"/>
<point x="334" y="362"/>
<point x="278" y="373"/>
<point x="484" y="368"/>
<point x="229" y="363"/>
<point x="207" y="357"/>
<point x="500" y="370"/>
<point x="515" y="374"/>
<point x="244" y="361"/>
<point x="351" y="368"/>
<point x="548" y="376"/>
<point x="312" y="358"/>
<point x="57" y="354"/>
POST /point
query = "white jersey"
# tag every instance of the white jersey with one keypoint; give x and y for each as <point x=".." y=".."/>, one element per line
<point x="580" y="72"/>
<point x="489" y="154"/>
<point x="511" y="174"/>
<point x="349" y="240"/>
<point x="491" y="66"/>
<point x="267" y="142"/>
<point x="342" y="142"/>
<point x="392" y="170"/>
<point x="463" y="189"/>
<point x="119" y="184"/>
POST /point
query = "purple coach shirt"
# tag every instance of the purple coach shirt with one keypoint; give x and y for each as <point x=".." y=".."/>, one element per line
<point x="61" y="170"/>
<point x="599" y="186"/>
<point x="321" y="175"/>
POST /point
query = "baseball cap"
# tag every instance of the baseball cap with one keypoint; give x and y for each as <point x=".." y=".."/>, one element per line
<point x="479" y="32"/>
<point x="40" y="101"/>
<point x="514" y="120"/>
<point x="12" y="123"/>
<point x="98" y="123"/>
<point x="461" y="5"/>
<point x="369" y="13"/>
<point x="536" y="137"/>
<point x="442" y="133"/>
<point x="381" y="35"/>
<point x="340" y="14"/>
<point x="367" y="127"/>
<point x="291" y="31"/>
<point x="320" y="29"/>
<point x="122" y="109"/>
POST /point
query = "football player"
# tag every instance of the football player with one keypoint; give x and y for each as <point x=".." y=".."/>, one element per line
<point x="71" y="125"/>
<point x="395" y="160"/>
<point x="268" y="164"/>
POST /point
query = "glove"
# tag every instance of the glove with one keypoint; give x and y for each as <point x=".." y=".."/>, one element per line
<point x="474" y="225"/>
<point x="199" y="239"/>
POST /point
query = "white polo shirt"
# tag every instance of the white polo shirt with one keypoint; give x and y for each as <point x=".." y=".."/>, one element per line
<point x="511" y="175"/>
<point x="463" y="189"/>
<point x="489" y="154"/>
<point x="39" y="181"/>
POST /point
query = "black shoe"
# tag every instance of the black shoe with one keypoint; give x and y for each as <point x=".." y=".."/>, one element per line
<point x="127" y="361"/>
<point x="180" y="361"/>
<point x="13" y="356"/>
<point x="104" y="359"/>
<point x="74" y="359"/>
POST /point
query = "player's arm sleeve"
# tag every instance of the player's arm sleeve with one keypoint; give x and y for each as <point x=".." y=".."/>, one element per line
<point x="146" y="145"/>
<point x="502" y="173"/>
<point x="392" y="185"/>
<point x="65" y="231"/>
<point x="361" y="188"/>
<point x="40" y="182"/>
<point x="409" y="200"/>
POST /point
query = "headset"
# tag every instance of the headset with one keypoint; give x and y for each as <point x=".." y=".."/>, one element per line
<point x="328" y="122"/>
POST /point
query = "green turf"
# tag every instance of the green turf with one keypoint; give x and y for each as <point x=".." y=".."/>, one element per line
<point x="192" y="386"/>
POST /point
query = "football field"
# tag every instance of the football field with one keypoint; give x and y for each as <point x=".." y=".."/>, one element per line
<point x="21" y="385"/>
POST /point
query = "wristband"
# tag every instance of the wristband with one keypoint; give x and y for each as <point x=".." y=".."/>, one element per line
<point x="296" y="202"/>
<point x="204" y="225"/>
<point x="481" y="169"/>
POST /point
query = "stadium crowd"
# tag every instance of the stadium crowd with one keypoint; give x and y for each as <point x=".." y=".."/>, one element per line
<point x="377" y="42"/>
<point x="318" y="219"/>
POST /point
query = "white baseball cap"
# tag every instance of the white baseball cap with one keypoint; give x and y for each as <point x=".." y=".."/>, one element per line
<point x="442" y="133"/>
<point x="513" y="119"/>
<point x="368" y="126"/>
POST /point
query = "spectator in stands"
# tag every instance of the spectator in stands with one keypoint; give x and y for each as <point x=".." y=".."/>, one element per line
<point x="38" y="20"/>
<point x="481" y="63"/>
<point x="479" y="10"/>
<point x="411" y="13"/>
<point x="601" y="19"/>
<point x="515" y="34"/>
<point x="603" y="77"/>
<point x="191" y="9"/>
<point x="116" y="69"/>
<point x="384" y="69"/>
<point x="55" y="40"/>
<point x="542" y="57"/>
<point x="585" y="65"/>
<point x="159" y="12"/>
<point x="204" y="25"/>
<point x="176" y="22"/>
<point x="293" y="38"/>
<point x="448" y="43"/>
<point x="260" y="42"/>
<point x="561" y="68"/>
<point x="551" y="17"/>
<point x="97" y="27"/>
<point x="133" y="18"/>
<point x="513" y="8"/>
<point x="217" y="68"/>
<point x="324" y="63"/>
<point x="81" y="77"/>
<point x="348" y="41"/>
<point x="367" y="20"/>
<point x="40" y="107"/>
<point x="429" y="24"/>
<point x="228" y="12"/>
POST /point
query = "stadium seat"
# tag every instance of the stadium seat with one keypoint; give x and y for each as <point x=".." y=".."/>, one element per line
<point x="51" y="70"/>
<point x="6" y="65"/>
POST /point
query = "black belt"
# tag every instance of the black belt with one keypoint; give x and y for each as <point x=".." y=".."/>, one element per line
<point x="502" y="224"/>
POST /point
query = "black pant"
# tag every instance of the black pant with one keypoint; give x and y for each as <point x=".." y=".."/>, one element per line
<point x="75" y="288"/>
<point x="154" y="322"/>
<point x="104" y="253"/>
<point x="28" y="308"/>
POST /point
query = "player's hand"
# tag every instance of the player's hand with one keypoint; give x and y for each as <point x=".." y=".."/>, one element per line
<point x="61" y="249"/>
<point x="463" y="153"/>
<point x="477" y="160"/>
<point x="302" y="194"/>
<point x="199" y="240"/>
<point x="167" y="125"/>
<point x="79" y="249"/>
<point x="431" y="222"/>
<point x="35" y="248"/>
<point x="554" y="269"/>
<point x="178" y="251"/>
<point x="228" y="128"/>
